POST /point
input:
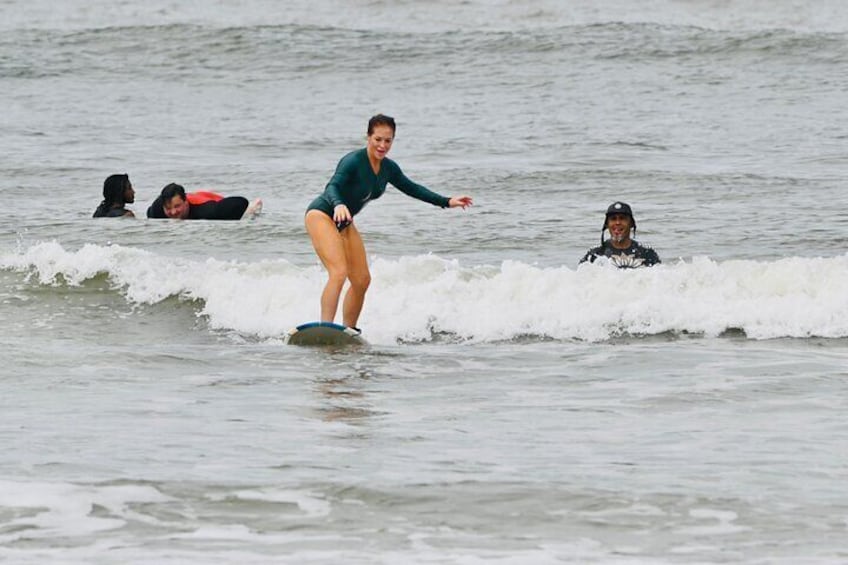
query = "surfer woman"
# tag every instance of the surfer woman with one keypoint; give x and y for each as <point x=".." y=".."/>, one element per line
<point x="360" y="176"/>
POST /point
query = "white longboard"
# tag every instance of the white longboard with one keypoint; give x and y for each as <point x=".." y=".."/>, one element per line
<point x="324" y="333"/>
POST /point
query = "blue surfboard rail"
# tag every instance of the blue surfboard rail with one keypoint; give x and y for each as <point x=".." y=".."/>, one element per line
<point x="324" y="333"/>
<point x="332" y="325"/>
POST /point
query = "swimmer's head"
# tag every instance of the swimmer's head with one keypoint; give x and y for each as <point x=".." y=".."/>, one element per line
<point x="381" y="120"/>
<point x="619" y="213"/>
<point x="117" y="189"/>
<point x="174" y="202"/>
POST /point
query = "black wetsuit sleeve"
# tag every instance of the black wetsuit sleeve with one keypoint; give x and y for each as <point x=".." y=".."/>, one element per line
<point x="342" y="177"/>
<point x="650" y="256"/>
<point x="229" y="208"/>
<point x="156" y="210"/>
<point x="402" y="183"/>
<point x="592" y="254"/>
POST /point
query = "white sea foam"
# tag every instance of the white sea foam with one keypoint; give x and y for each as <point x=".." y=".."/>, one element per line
<point x="50" y="510"/>
<point x="414" y="298"/>
<point x="309" y="504"/>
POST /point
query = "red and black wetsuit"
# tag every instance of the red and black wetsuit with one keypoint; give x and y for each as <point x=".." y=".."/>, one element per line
<point x="205" y="206"/>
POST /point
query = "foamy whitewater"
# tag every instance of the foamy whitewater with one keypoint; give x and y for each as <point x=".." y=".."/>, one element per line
<point x="513" y="406"/>
<point x="419" y="298"/>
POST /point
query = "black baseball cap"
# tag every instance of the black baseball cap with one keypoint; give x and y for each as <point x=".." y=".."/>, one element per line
<point x="620" y="208"/>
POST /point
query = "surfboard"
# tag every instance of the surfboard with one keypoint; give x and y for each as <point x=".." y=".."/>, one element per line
<point x="324" y="333"/>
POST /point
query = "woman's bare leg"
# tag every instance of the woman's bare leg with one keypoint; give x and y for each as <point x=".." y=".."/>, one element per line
<point x="357" y="273"/>
<point x="331" y="249"/>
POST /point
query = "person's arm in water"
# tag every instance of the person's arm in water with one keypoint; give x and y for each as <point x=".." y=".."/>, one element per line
<point x="592" y="254"/>
<point x="650" y="256"/>
<point x="157" y="209"/>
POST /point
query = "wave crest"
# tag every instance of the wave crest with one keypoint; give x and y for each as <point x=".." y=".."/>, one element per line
<point x="416" y="298"/>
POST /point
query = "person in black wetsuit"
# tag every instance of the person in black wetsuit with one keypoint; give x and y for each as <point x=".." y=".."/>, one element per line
<point x="174" y="203"/>
<point x="620" y="249"/>
<point x="360" y="176"/>
<point x="117" y="193"/>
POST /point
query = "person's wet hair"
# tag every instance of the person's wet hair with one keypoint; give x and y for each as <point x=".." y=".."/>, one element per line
<point x="114" y="188"/>
<point x="381" y="120"/>
<point x="172" y="190"/>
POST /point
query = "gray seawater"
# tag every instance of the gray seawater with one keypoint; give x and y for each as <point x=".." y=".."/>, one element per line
<point x="512" y="408"/>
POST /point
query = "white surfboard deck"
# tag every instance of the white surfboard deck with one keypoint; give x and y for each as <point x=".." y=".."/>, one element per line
<point x="324" y="333"/>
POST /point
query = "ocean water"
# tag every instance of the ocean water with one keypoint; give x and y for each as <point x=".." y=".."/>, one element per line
<point x="512" y="407"/>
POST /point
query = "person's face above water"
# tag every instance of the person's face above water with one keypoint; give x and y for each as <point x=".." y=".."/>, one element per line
<point x="619" y="227"/>
<point x="176" y="208"/>
<point x="129" y="194"/>
<point x="380" y="141"/>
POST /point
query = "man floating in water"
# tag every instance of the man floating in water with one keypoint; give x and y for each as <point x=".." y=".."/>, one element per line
<point x="175" y="203"/>
<point x="620" y="249"/>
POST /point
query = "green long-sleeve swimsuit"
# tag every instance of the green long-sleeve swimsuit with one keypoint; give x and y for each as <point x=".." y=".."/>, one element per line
<point x="354" y="184"/>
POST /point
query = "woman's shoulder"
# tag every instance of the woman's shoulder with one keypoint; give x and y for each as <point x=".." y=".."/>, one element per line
<point x="355" y="155"/>
<point x="353" y="159"/>
<point x="391" y="165"/>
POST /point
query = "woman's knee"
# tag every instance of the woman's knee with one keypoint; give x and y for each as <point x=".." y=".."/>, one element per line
<point x="337" y="275"/>
<point x="360" y="281"/>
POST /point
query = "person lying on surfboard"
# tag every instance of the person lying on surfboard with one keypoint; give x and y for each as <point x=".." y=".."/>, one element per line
<point x="620" y="249"/>
<point x="360" y="176"/>
<point x="176" y="204"/>
<point x="117" y="193"/>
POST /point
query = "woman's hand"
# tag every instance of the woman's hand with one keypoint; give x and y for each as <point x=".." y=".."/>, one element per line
<point x="341" y="215"/>
<point x="460" y="202"/>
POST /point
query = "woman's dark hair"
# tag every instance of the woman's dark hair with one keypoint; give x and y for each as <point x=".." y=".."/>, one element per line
<point x="114" y="188"/>
<point x="381" y="120"/>
<point x="172" y="190"/>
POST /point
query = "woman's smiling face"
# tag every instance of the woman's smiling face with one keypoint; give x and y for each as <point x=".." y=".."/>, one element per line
<point x="380" y="141"/>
